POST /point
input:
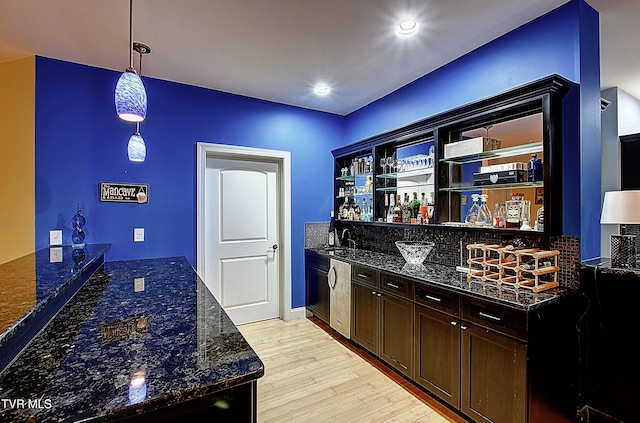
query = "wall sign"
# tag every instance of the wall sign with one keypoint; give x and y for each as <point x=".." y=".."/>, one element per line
<point x="124" y="193"/>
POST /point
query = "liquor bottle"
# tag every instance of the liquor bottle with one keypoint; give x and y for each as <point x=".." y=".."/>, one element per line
<point x="513" y="216"/>
<point x="430" y="208"/>
<point x="390" y="209"/>
<point x="415" y="206"/>
<point x="331" y="236"/>
<point x="423" y="209"/>
<point x="540" y="219"/>
<point x="471" y="218"/>
<point x="534" y="168"/>
<point x="397" y="210"/>
<point x="406" y="209"/>
<point x="484" y="215"/>
<point x="498" y="216"/>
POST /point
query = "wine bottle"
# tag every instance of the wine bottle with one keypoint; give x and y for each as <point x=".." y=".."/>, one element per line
<point x="331" y="236"/>
<point x="390" y="209"/>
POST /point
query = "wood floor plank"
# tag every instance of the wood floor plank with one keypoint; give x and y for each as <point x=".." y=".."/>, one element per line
<point x="312" y="375"/>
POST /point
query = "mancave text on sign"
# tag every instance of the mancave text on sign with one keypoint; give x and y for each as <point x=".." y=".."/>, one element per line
<point x="124" y="193"/>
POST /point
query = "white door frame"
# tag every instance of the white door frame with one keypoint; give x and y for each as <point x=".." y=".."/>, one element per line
<point x="283" y="159"/>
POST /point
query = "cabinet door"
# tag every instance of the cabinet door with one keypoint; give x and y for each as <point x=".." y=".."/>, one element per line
<point x="493" y="377"/>
<point x="364" y="317"/>
<point x="437" y="354"/>
<point x="317" y="292"/>
<point x="396" y="333"/>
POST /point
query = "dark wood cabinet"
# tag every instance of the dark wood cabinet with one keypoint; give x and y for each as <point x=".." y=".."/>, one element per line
<point x="421" y="158"/>
<point x="490" y="361"/>
<point x="317" y="285"/>
<point x="364" y="317"/>
<point x="382" y="323"/>
<point x="396" y="333"/>
<point x="494" y="376"/>
<point x="437" y="354"/>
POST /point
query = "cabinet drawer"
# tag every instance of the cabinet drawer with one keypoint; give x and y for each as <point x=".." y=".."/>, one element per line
<point x="437" y="299"/>
<point x="312" y="258"/>
<point x="365" y="275"/>
<point x="396" y="285"/>
<point x="506" y="321"/>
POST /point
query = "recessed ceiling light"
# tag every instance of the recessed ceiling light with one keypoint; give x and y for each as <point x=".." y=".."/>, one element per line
<point x="322" y="89"/>
<point x="407" y="27"/>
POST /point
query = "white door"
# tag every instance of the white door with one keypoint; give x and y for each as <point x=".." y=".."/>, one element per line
<point x="241" y="237"/>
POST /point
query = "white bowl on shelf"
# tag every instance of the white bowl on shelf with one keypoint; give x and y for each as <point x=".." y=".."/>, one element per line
<point x="414" y="252"/>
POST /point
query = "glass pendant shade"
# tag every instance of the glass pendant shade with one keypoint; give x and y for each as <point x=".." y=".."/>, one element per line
<point x="136" y="149"/>
<point x="131" y="97"/>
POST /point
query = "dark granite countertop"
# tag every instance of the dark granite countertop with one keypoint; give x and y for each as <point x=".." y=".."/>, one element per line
<point x="29" y="283"/>
<point x="123" y="346"/>
<point x="603" y="264"/>
<point x="448" y="277"/>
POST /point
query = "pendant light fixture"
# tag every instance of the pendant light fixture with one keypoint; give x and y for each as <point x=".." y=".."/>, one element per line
<point x="130" y="95"/>
<point x="136" y="149"/>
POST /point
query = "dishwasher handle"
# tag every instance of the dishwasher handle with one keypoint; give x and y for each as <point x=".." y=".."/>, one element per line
<point x="332" y="277"/>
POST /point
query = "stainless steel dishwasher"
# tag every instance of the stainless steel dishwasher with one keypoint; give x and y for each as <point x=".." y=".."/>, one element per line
<point x="339" y="279"/>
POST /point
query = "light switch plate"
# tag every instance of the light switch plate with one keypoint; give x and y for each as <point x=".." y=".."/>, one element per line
<point x="138" y="284"/>
<point x="55" y="237"/>
<point x="138" y="234"/>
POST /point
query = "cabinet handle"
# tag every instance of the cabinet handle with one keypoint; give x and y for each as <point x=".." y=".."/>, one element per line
<point x="454" y="323"/>
<point x="373" y="292"/>
<point x="432" y="298"/>
<point x="464" y="327"/>
<point x="379" y="294"/>
<point x="392" y="285"/>
<point x="398" y="363"/>
<point x="490" y="316"/>
<point x="363" y="276"/>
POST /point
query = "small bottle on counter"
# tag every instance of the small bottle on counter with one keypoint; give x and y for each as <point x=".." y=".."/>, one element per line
<point x="331" y="236"/>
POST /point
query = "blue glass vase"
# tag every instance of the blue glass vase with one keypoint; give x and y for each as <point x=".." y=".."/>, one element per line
<point x="77" y="222"/>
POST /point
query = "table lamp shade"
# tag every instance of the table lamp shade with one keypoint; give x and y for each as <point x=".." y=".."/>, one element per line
<point x="621" y="208"/>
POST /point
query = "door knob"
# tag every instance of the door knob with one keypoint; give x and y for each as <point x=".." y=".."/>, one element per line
<point x="274" y="246"/>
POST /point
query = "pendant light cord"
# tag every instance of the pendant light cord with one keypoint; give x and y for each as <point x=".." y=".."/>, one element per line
<point x="131" y="35"/>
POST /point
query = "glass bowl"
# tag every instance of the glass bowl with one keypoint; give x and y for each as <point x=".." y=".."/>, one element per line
<point x="414" y="252"/>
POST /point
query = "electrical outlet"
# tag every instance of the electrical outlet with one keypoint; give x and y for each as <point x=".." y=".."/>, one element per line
<point x="55" y="237"/>
<point x="55" y="255"/>
<point x="138" y="234"/>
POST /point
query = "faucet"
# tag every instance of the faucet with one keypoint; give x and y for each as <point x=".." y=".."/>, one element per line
<point x="350" y="243"/>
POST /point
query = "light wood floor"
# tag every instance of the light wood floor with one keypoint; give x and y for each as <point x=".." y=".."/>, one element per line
<point x="312" y="377"/>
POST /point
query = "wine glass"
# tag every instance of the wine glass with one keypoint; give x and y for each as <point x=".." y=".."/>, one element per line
<point x="390" y="163"/>
<point x="383" y="165"/>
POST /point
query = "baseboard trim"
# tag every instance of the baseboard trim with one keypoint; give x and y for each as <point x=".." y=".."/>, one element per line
<point x="295" y="313"/>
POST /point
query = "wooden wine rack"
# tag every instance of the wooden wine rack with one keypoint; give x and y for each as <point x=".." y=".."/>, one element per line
<point x="517" y="268"/>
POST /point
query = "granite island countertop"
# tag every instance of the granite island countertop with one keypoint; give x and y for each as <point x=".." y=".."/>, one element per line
<point x="140" y="335"/>
<point x="28" y="283"/>
<point x="448" y="277"/>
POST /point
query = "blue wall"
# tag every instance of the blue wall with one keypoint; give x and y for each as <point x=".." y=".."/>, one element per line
<point x="80" y="142"/>
<point x="564" y="41"/>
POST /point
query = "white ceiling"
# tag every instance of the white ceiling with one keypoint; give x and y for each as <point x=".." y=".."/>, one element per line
<point x="278" y="49"/>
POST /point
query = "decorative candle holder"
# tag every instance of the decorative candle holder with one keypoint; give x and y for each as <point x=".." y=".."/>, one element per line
<point x="77" y="223"/>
